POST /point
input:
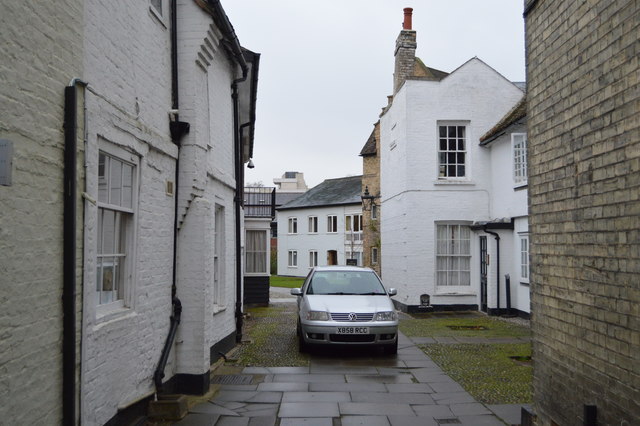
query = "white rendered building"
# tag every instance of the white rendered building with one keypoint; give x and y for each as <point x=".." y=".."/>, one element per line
<point x="443" y="195"/>
<point x="321" y="227"/>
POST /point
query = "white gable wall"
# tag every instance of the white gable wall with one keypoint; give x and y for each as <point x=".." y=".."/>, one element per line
<point x="413" y="198"/>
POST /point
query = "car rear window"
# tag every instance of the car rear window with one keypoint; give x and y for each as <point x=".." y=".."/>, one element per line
<point x="345" y="283"/>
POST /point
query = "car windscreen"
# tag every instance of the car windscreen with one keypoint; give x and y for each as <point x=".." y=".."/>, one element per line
<point x="345" y="283"/>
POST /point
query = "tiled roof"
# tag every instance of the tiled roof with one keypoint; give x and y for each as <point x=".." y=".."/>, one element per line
<point x="331" y="192"/>
<point x="369" y="147"/>
<point x="517" y="112"/>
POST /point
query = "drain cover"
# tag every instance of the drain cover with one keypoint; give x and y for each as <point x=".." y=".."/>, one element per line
<point x="232" y="379"/>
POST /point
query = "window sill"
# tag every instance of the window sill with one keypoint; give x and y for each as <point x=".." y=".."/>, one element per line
<point x="218" y="308"/>
<point x="453" y="182"/>
<point x="107" y="314"/>
<point x="520" y="186"/>
<point x="456" y="294"/>
<point x="524" y="283"/>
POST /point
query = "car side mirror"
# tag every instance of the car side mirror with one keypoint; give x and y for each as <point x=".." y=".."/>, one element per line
<point x="392" y="292"/>
<point x="296" y="292"/>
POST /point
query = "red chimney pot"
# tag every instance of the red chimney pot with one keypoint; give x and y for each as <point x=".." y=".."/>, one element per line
<point x="408" y="11"/>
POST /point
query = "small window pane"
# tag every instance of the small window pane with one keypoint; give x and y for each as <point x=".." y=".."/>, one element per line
<point x="103" y="178"/>
<point x="115" y="182"/>
<point x="127" y="186"/>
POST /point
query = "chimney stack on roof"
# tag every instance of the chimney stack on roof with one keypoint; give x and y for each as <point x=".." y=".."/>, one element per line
<point x="408" y="12"/>
<point x="405" y="53"/>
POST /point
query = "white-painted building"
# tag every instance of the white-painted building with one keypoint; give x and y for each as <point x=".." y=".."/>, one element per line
<point x="321" y="227"/>
<point x="158" y="133"/>
<point x="438" y="185"/>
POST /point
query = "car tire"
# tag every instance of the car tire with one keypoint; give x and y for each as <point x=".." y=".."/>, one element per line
<point x="391" y="349"/>
<point x="302" y="345"/>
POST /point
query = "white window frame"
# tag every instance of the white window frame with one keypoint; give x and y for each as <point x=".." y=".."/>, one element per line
<point x="293" y="259"/>
<point x="125" y="218"/>
<point x="456" y="253"/>
<point x="450" y="155"/>
<point x="374" y="212"/>
<point x="313" y="224"/>
<point x="519" y="155"/>
<point x="313" y="258"/>
<point x="332" y="224"/>
<point x="256" y="252"/>
<point x="219" y="258"/>
<point x="374" y="255"/>
<point x="293" y="225"/>
<point x="524" y="266"/>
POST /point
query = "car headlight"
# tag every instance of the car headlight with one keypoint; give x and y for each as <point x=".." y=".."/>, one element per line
<point x="386" y="316"/>
<point x="317" y="316"/>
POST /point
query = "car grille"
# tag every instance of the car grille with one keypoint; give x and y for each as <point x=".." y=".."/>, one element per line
<point x="345" y="316"/>
<point x="352" y="337"/>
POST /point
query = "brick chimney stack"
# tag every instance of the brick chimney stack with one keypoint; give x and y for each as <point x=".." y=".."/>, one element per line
<point x="405" y="53"/>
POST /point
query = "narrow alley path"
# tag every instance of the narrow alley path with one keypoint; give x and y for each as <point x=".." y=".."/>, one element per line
<point x="344" y="388"/>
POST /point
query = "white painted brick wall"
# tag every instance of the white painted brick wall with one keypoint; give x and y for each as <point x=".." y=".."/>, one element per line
<point x="127" y="65"/>
<point x="412" y="198"/>
<point x="41" y="49"/>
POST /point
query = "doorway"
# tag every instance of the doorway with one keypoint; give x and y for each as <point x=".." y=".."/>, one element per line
<point x="332" y="257"/>
<point x="483" y="273"/>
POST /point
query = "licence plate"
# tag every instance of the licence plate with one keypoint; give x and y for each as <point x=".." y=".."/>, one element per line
<point x="353" y="330"/>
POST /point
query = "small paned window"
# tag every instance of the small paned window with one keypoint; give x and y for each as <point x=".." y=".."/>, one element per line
<point x="313" y="258"/>
<point x="524" y="259"/>
<point x="374" y="255"/>
<point x="293" y="258"/>
<point x="332" y="224"/>
<point x="452" y="151"/>
<point x="313" y="224"/>
<point x="453" y="255"/>
<point x="519" y="143"/>
<point x="293" y="225"/>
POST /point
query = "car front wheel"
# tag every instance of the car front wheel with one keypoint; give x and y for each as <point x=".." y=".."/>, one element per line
<point x="391" y="349"/>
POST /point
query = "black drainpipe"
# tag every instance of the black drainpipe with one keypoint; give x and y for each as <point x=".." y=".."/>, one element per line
<point x="178" y="130"/>
<point x="495" y="234"/>
<point x="238" y="201"/>
<point x="69" y="254"/>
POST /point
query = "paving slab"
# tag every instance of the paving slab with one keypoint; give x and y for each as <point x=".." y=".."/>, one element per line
<point x="347" y="387"/>
<point x="244" y="396"/>
<point x="392" y="398"/>
<point x="368" y="408"/>
<point x="380" y="378"/>
<point x="233" y="421"/>
<point x="199" y="419"/>
<point x="365" y="421"/>
<point x="309" y="378"/>
<point x="342" y="369"/>
<point x="209" y="408"/>
<point x="298" y="421"/>
<point x="509" y="413"/>
<point x="482" y="420"/>
<point x="283" y="387"/>
<point x="448" y="398"/>
<point x="411" y="421"/>
<point x="468" y="409"/>
<point x="433" y="411"/>
<point x="446" y="386"/>
<point x="316" y="397"/>
<point x="408" y="388"/>
<point x="309" y="409"/>
<point x="263" y="421"/>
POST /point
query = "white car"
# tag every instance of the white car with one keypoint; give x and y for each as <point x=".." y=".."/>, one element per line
<point x="346" y="305"/>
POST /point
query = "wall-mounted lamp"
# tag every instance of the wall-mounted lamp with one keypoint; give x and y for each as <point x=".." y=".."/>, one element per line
<point x="250" y="164"/>
<point x="368" y="198"/>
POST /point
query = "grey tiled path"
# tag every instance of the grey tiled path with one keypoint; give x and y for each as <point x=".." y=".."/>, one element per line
<point x="407" y="389"/>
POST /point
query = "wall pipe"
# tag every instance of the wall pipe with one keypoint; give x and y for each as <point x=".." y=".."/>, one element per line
<point x="178" y="129"/>
<point x="69" y="253"/>
<point x="495" y="234"/>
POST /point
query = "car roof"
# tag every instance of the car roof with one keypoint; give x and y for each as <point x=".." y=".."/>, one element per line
<point x="342" y="268"/>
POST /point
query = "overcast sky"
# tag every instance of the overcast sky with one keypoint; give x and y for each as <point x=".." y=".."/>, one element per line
<point x="327" y="67"/>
